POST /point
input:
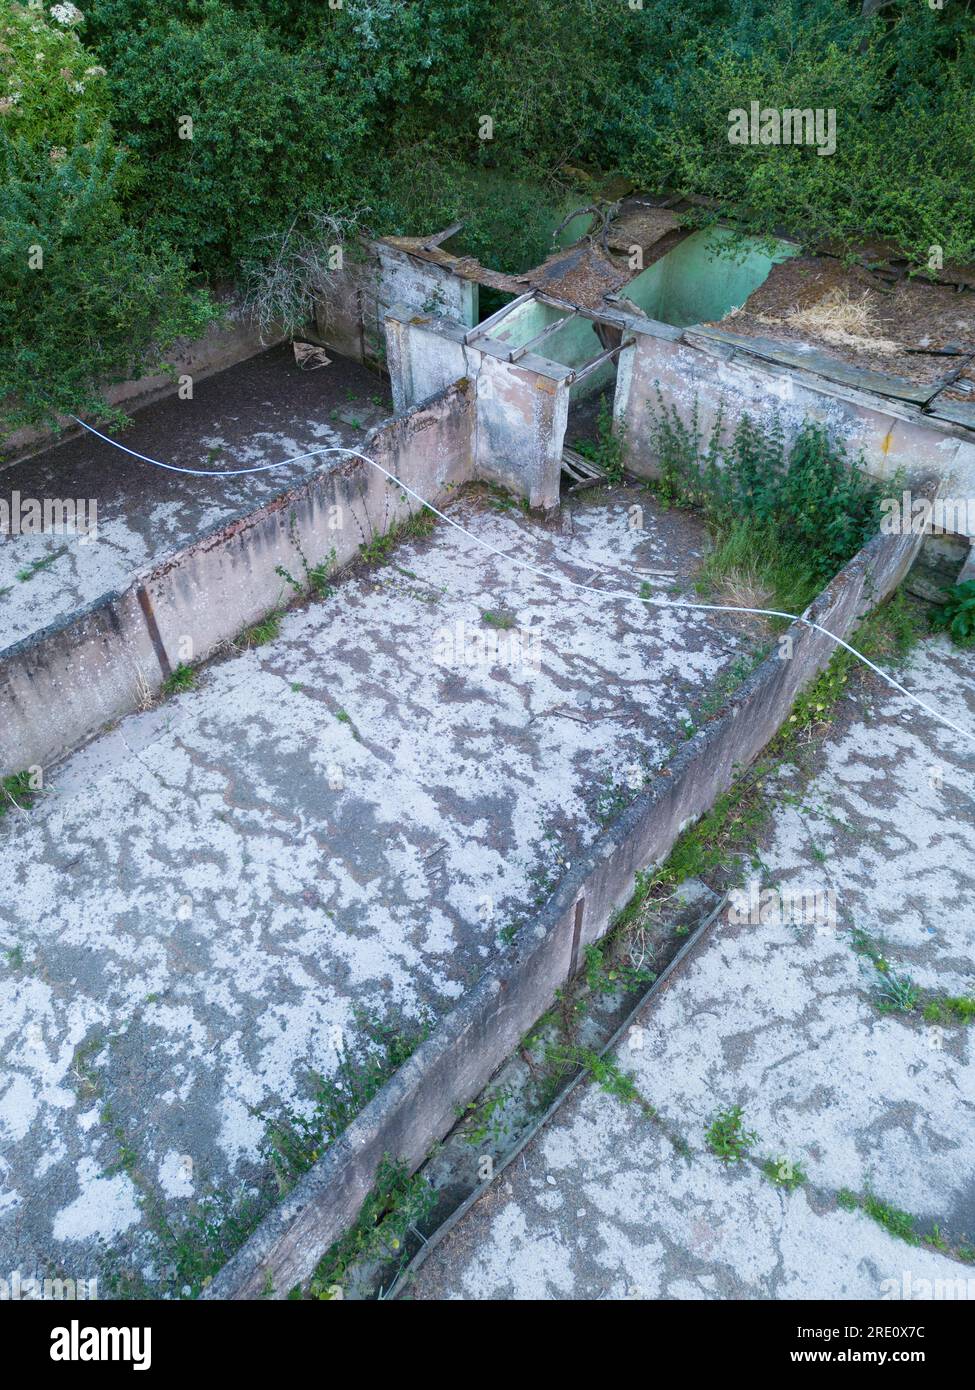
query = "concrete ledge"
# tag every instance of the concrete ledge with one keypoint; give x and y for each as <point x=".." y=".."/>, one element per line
<point x="60" y="685"/>
<point x="418" y="1106"/>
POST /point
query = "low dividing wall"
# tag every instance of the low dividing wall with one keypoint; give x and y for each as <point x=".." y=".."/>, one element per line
<point x="232" y="340"/>
<point x="419" y="1105"/>
<point x="59" y="686"/>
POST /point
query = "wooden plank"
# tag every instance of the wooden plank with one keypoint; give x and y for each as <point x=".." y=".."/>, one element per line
<point x="820" y="363"/>
<point x="597" y="362"/>
<point x="483" y="328"/>
<point x="546" y="332"/>
<point x="443" y="236"/>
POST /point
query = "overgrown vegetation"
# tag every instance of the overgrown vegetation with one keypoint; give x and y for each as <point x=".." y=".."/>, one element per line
<point x="784" y="1173"/>
<point x="295" y="1138"/>
<point x="416" y="526"/>
<point x="727" y="1136"/>
<point x="396" y="1203"/>
<point x="189" y="1248"/>
<point x="608" y="450"/>
<point x="153" y="150"/>
<point x="956" y="616"/>
<point x="784" y="517"/>
<point x="183" y="678"/>
<point x="17" y="792"/>
<point x="261" y="632"/>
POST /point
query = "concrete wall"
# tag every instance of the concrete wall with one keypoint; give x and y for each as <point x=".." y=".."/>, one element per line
<point x="424" y="287"/>
<point x="61" y="685"/>
<point x="572" y="346"/>
<point x="419" y="1106"/>
<point x="351" y="316"/>
<point x="522" y="414"/>
<point x="699" y="281"/>
<point x="521" y="407"/>
<point x="891" y="434"/>
<point x="424" y="354"/>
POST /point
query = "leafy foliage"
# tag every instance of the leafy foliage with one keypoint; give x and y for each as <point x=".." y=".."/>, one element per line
<point x="85" y="296"/>
<point x="47" y="78"/>
<point x="808" y="504"/>
<point x="371" y="114"/>
<point x="957" y="614"/>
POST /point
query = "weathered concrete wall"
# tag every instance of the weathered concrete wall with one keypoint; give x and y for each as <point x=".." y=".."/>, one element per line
<point x="419" y="1106"/>
<point x="376" y="278"/>
<point x="571" y="346"/>
<point x="61" y="685"/>
<point x="521" y="408"/>
<point x="222" y="346"/>
<point x="424" y="354"/>
<point x="522" y="413"/>
<point x="891" y="434"/>
<point x="424" y="287"/>
<point x="696" y="283"/>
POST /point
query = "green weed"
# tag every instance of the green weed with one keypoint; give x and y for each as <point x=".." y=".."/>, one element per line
<point x="265" y="631"/>
<point x="784" y="1173"/>
<point x="18" y="792"/>
<point x="183" y="678"/>
<point x="727" y="1137"/>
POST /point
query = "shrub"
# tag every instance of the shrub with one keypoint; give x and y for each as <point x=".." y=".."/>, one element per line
<point x="47" y="78"/>
<point x="957" y="614"/>
<point x="808" y="507"/>
<point x="85" y="297"/>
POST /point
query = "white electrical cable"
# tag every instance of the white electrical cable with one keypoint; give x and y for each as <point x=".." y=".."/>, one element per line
<point x="533" y="569"/>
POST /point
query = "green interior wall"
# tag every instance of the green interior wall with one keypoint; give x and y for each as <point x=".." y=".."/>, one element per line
<point x="572" y="346"/>
<point x="699" y="281"/>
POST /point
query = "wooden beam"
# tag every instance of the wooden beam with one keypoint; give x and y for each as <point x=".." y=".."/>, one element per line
<point x="546" y="332"/>
<point x="596" y="362"/>
<point x="485" y="327"/>
<point x="591" y="314"/>
<point x="443" y="236"/>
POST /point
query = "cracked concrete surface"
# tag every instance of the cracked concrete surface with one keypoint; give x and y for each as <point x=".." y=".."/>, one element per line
<point x="778" y="1018"/>
<point x="260" y="410"/>
<point x="343" y="819"/>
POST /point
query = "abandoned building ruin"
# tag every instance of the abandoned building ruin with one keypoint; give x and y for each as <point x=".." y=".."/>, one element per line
<point x="490" y="374"/>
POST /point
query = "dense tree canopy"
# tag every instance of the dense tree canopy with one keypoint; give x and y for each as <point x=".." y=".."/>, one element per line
<point x="163" y="147"/>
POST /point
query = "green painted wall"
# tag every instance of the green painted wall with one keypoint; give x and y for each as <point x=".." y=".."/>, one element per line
<point x="698" y="281"/>
<point x="573" y="345"/>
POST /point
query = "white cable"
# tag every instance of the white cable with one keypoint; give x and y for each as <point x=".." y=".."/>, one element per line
<point x="533" y="569"/>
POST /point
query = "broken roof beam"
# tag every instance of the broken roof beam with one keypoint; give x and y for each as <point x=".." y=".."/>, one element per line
<point x="432" y="242"/>
<point x="614" y="319"/>
<point x="546" y="332"/>
<point x="480" y="330"/>
<point x="598" y="362"/>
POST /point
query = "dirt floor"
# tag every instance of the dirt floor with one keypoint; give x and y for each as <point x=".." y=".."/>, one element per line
<point x="909" y="314"/>
<point x="256" y="412"/>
